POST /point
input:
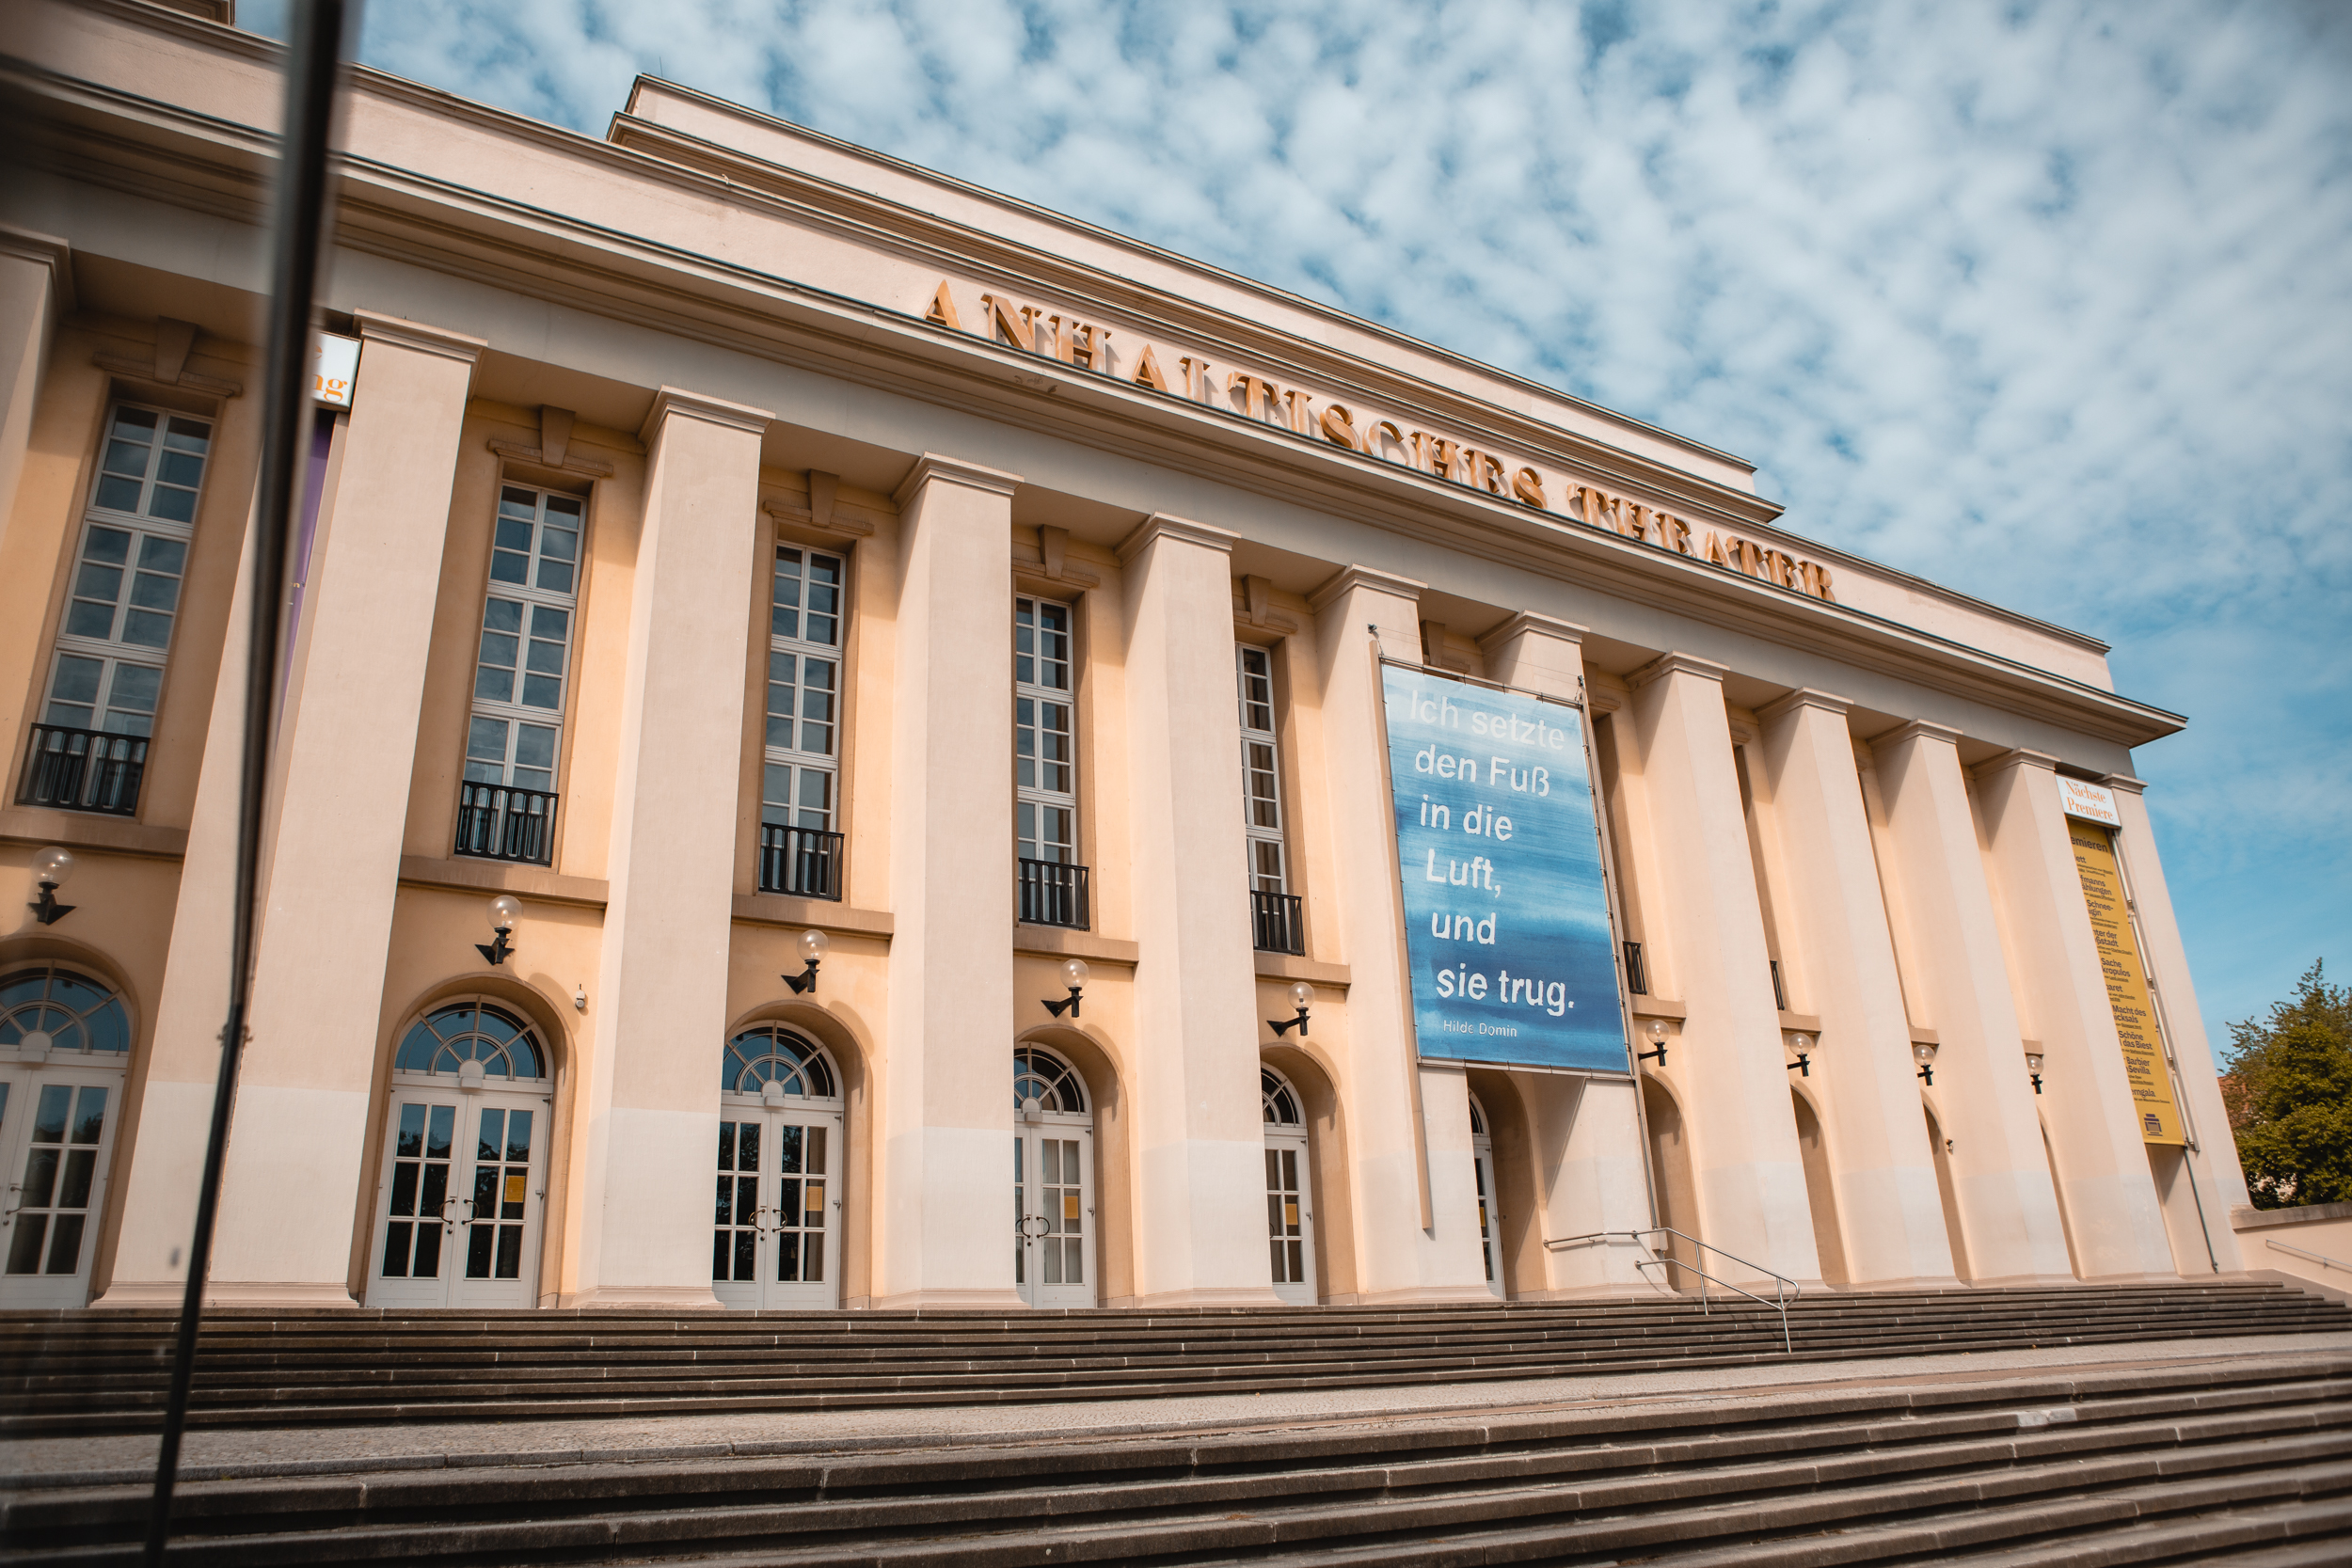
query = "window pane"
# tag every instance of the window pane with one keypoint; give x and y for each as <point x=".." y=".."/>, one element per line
<point x="534" y="746"/>
<point x="174" y="505"/>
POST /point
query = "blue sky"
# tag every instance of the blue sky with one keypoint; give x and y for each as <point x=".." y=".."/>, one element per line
<point x="2048" y="302"/>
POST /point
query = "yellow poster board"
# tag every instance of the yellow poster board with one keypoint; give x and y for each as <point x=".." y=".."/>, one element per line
<point x="2127" y="984"/>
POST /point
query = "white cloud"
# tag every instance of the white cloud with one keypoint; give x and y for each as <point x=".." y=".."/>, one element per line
<point x="2047" y="301"/>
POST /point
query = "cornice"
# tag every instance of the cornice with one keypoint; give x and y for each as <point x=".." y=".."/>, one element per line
<point x="2017" y="756"/>
<point x="546" y="256"/>
<point x="1677" y="663"/>
<point x="374" y="327"/>
<point x="2125" y="783"/>
<point x="953" y="470"/>
<point x="43" y="250"/>
<point x="1525" y="621"/>
<point x="1160" y="524"/>
<point x="677" y="401"/>
<point x="1372" y="578"/>
<point x="1918" y="729"/>
<point x="1805" y="696"/>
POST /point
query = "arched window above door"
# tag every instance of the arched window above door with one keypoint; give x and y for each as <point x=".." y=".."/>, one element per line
<point x="1478" y="1118"/>
<point x="472" y="1031"/>
<point x="1280" y="1101"/>
<point x="72" y="1011"/>
<point x="1041" y="1076"/>
<point x="773" y="1053"/>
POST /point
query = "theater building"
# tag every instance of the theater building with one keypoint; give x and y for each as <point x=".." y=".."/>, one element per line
<point x="715" y="533"/>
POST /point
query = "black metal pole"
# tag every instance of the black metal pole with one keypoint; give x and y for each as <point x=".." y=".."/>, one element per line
<point x="313" y="59"/>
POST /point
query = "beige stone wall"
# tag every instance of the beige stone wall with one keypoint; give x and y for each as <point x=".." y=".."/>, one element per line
<point x="1869" y="803"/>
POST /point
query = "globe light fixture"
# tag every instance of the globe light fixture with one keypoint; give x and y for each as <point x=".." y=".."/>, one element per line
<point x="1800" y="1052"/>
<point x="1658" y="1037"/>
<point x="1924" y="1054"/>
<point x="811" y="947"/>
<point x="506" y="909"/>
<point x="51" y="867"/>
<point x="1302" y="998"/>
<point x="1073" y="975"/>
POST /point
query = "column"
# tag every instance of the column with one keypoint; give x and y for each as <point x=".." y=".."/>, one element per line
<point x="1589" y="1164"/>
<point x="290" y="1190"/>
<point x="1200" y="1126"/>
<point x="2009" y="1217"/>
<point x="1889" y="1207"/>
<point x="2220" y="1180"/>
<point x="35" y="285"/>
<point x="946" y="1165"/>
<point x="1729" y="1072"/>
<point x="652" y="1089"/>
<point x="1416" y="1200"/>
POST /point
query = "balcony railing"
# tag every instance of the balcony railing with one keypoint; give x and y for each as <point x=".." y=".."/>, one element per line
<point x="804" y="862"/>
<point x="506" y="822"/>
<point x="1636" y="977"/>
<point x="83" y="770"/>
<point x="1278" y="921"/>
<point x="1051" y="893"/>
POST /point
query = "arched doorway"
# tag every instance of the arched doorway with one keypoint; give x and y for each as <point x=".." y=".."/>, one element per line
<point x="1821" y="1193"/>
<point x="463" y="1197"/>
<point x="64" y="1039"/>
<point x="1053" y="1180"/>
<point x="1289" y="1209"/>
<point x="776" y="1241"/>
<point x="1489" y="1231"/>
<point x="1942" y="1152"/>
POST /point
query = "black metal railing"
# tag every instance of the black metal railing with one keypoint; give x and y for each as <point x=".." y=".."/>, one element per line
<point x="804" y="862"/>
<point x="1780" y="988"/>
<point x="1636" y="977"/>
<point x="1278" y="922"/>
<point x="506" y="822"/>
<point x="1050" y="893"/>
<point x="83" y="770"/>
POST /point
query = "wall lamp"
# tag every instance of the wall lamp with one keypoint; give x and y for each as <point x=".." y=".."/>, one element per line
<point x="2033" y="1068"/>
<point x="51" y="867"/>
<point x="1658" y="1037"/>
<point x="811" y="947"/>
<point x="1073" y="975"/>
<point x="1800" y="1046"/>
<point x="505" y="910"/>
<point x="1924" y="1054"/>
<point x="1302" y="997"/>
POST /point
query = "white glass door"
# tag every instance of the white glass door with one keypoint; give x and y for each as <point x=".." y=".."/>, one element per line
<point x="776" y="1238"/>
<point x="1290" y="1222"/>
<point x="1489" y="1233"/>
<point x="458" y="1208"/>
<point x="1052" y="1185"/>
<point x="56" y="1137"/>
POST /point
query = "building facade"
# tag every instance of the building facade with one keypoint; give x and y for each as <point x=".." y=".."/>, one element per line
<point x="728" y="534"/>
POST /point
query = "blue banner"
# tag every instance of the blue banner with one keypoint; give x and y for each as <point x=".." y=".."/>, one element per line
<point x="1506" y="917"/>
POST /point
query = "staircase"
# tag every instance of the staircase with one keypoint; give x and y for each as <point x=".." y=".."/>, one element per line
<point x="2245" y="1461"/>
<point x="81" y="1372"/>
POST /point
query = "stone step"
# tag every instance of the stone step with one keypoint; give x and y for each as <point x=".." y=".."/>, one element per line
<point x="1860" y="1475"/>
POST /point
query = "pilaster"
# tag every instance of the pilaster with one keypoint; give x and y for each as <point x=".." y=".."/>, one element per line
<point x="2011" y="1231"/>
<point x="1200" y="1126"/>
<point x="290" y="1198"/>
<point x="1891" y="1216"/>
<point x="36" y="288"/>
<point x="1728" y="1071"/>
<point x="652" y="1087"/>
<point x="946" y="1188"/>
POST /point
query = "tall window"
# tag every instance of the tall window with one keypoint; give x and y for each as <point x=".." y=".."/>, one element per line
<point x="1046" y="780"/>
<point x="108" y="671"/>
<point x="798" y="786"/>
<point x="1260" y="771"/>
<point x="512" y="737"/>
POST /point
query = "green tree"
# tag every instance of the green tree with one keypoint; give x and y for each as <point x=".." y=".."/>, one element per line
<point x="2290" y="1097"/>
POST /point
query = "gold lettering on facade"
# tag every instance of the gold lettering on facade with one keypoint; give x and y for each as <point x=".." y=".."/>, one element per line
<point x="1085" y="346"/>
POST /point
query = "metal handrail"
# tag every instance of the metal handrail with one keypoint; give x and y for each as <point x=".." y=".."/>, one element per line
<point x="2323" y="1261"/>
<point x="1784" y="1290"/>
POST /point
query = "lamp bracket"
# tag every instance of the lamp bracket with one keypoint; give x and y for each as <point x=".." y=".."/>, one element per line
<point x="497" y="950"/>
<point x="1067" y="1004"/>
<point x="805" y="981"/>
<point x="47" y="910"/>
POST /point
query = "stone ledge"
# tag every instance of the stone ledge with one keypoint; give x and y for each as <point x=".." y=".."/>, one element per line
<point x="1285" y="966"/>
<point x="776" y="909"/>
<point x="1058" y="942"/>
<point x="2243" y="1218"/>
<point x="523" y="881"/>
<point x="82" y="830"/>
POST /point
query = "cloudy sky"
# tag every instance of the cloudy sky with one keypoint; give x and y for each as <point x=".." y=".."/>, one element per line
<point x="2050" y="302"/>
